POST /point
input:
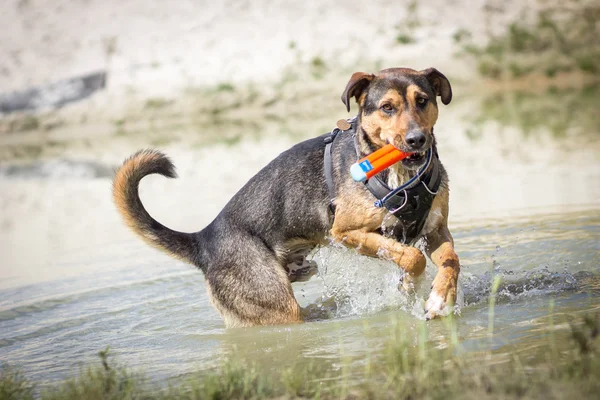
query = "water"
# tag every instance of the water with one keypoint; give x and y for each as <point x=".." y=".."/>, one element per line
<point x="74" y="281"/>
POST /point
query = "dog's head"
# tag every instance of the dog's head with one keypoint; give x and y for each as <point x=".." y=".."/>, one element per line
<point x="398" y="106"/>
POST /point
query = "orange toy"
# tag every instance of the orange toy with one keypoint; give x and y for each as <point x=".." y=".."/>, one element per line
<point x="376" y="162"/>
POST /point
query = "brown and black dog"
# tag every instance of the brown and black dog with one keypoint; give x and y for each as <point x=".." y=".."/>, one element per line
<point x="257" y="245"/>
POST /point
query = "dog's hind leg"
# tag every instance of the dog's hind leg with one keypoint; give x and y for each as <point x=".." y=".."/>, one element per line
<point x="254" y="290"/>
<point x="243" y="303"/>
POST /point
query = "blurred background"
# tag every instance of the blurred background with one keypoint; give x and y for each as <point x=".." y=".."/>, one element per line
<point x="223" y="87"/>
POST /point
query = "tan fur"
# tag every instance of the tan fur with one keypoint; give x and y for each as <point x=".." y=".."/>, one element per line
<point x="361" y="99"/>
<point x="120" y="185"/>
<point x="356" y="219"/>
<point x="383" y="129"/>
<point x="440" y="249"/>
<point x="121" y="182"/>
<point x="428" y="120"/>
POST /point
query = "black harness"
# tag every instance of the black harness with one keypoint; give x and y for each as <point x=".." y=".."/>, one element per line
<point x="410" y="203"/>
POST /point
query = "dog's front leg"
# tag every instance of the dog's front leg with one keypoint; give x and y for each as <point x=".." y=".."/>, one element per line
<point x="440" y="249"/>
<point x="375" y="245"/>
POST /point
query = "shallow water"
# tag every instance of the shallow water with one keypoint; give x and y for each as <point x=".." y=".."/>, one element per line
<point x="74" y="280"/>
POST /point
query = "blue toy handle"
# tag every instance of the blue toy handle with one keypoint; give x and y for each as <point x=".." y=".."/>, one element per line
<point x="358" y="173"/>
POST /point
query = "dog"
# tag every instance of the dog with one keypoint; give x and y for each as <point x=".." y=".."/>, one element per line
<point x="258" y="244"/>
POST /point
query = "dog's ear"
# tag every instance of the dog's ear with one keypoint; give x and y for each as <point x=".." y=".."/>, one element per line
<point x="358" y="82"/>
<point x="440" y="84"/>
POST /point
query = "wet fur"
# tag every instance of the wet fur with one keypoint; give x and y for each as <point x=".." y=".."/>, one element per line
<point x="257" y="245"/>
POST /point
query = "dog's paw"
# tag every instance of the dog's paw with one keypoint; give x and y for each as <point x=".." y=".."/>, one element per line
<point x="442" y="297"/>
<point x="435" y="306"/>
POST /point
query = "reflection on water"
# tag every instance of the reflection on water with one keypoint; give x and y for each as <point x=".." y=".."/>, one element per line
<point x="58" y="169"/>
<point x="74" y="280"/>
<point x="564" y="112"/>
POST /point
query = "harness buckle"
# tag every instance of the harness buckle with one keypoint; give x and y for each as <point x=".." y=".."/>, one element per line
<point x="329" y="139"/>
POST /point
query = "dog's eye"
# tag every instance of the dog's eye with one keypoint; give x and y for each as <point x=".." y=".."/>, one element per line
<point x="387" y="107"/>
<point x="422" y="101"/>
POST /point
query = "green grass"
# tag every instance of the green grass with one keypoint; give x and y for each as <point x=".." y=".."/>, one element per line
<point x="25" y="123"/>
<point x="549" y="39"/>
<point x="560" y="111"/>
<point x="13" y="384"/>
<point x="156" y="102"/>
<point x="404" y="38"/>
<point x="225" y="87"/>
<point x="104" y="382"/>
<point x="406" y="28"/>
<point x="402" y="370"/>
<point x="318" y="67"/>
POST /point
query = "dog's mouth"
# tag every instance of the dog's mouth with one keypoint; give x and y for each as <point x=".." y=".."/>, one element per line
<point x="414" y="160"/>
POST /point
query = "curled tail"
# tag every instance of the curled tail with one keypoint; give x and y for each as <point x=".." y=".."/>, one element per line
<point x="183" y="246"/>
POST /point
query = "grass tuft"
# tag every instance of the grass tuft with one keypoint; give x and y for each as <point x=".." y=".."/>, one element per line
<point x="106" y="382"/>
<point x="403" y="370"/>
<point x="13" y="385"/>
<point x="554" y="38"/>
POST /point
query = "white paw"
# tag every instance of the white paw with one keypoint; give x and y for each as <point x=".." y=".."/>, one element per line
<point x="435" y="306"/>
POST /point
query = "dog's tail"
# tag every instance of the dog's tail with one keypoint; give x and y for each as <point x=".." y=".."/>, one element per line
<point x="184" y="246"/>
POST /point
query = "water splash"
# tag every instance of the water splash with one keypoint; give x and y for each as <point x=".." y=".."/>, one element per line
<point x="516" y="284"/>
<point x="358" y="285"/>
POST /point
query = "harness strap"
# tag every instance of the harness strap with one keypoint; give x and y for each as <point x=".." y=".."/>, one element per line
<point x="329" y="168"/>
<point x="341" y="126"/>
<point x="377" y="187"/>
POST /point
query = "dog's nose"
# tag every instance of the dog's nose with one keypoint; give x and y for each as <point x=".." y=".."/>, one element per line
<point x="415" y="140"/>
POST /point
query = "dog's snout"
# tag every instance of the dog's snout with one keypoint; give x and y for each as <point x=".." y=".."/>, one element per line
<point x="415" y="140"/>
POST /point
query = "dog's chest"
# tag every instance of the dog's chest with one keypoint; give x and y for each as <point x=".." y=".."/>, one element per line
<point x="398" y="229"/>
<point x="403" y="230"/>
<point x="397" y="176"/>
<point x="409" y="226"/>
